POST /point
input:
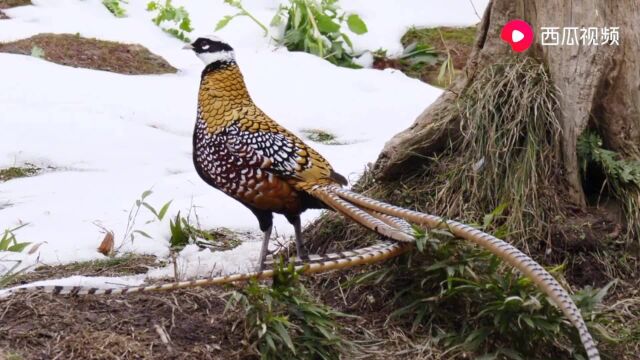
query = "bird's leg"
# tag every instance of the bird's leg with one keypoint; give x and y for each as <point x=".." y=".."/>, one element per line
<point x="298" y="229"/>
<point x="265" y="247"/>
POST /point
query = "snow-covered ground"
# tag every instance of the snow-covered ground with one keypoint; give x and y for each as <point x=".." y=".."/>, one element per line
<point x="110" y="137"/>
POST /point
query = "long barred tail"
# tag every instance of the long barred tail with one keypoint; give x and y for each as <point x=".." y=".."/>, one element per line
<point x="361" y="209"/>
<point x="316" y="264"/>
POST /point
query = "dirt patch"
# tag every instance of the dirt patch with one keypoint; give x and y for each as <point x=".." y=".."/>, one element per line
<point x="5" y="4"/>
<point x="76" y="51"/>
<point x="3" y="16"/>
<point x="186" y="324"/>
<point x="117" y="266"/>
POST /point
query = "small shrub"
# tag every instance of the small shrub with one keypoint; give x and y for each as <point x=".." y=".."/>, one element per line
<point x="469" y="301"/>
<point x="166" y="12"/>
<point x="315" y="27"/>
<point x="621" y="176"/>
<point x="114" y="7"/>
<point x="282" y="321"/>
<point x="312" y="26"/>
<point x="183" y="232"/>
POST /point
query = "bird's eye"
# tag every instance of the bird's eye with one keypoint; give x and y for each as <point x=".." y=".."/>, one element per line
<point x="205" y="47"/>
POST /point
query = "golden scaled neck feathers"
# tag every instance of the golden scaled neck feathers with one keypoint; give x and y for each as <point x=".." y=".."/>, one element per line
<point x="223" y="97"/>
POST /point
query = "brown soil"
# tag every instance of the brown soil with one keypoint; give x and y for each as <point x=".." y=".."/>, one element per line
<point x="126" y="265"/>
<point x="186" y="324"/>
<point x="3" y="16"/>
<point x="5" y="4"/>
<point x="193" y="322"/>
<point x="76" y="51"/>
<point x="41" y="326"/>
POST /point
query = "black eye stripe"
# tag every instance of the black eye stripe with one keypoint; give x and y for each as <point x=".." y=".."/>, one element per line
<point x="203" y="45"/>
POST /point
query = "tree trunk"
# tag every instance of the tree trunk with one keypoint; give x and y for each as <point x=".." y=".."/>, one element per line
<point x="598" y="86"/>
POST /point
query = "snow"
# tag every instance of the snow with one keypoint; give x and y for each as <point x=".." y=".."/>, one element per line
<point x="109" y="137"/>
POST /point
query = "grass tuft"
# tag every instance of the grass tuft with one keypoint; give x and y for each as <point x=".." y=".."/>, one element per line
<point x="509" y="152"/>
<point x="321" y="136"/>
<point x="468" y="301"/>
<point x="283" y="321"/>
<point x="15" y="172"/>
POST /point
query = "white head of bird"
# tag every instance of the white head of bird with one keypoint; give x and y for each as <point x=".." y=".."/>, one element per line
<point x="211" y="49"/>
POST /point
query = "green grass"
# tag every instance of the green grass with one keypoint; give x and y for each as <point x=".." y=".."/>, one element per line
<point x="284" y="321"/>
<point x="448" y="49"/>
<point x="321" y="136"/>
<point x="15" y="172"/>
<point x="431" y="36"/>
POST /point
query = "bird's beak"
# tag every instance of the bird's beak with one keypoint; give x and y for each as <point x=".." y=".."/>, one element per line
<point x="188" y="47"/>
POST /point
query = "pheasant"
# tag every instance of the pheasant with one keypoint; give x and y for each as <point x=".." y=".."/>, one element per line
<point x="241" y="151"/>
<point x="244" y="153"/>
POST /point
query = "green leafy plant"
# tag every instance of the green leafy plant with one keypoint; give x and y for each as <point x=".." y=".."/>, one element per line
<point x="282" y="321"/>
<point x="241" y="12"/>
<point x="621" y="176"/>
<point x="179" y="232"/>
<point x="447" y="70"/>
<point x="314" y="26"/>
<point x="183" y="233"/>
<point x="140" y="203"/>
<point x="470" y="301"/>
<point x="178" y="16"/>
<point x="114" y="7"/>
<point x="618" y="170"/>
<point x="8" y="242"/>
<point x="414" y="54"/>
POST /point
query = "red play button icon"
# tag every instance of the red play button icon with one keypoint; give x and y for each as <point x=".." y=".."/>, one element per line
<point x="518" y="34"/>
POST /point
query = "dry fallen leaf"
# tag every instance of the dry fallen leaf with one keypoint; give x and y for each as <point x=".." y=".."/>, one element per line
<point x="34" y="248"/>
<point x="106" y="247"/>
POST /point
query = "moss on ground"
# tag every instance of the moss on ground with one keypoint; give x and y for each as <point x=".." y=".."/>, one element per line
<point x="77" y="51"/>
<point x="321" y="136"/>
<point x="455" y="42"/>
<point x="15" y="172"/>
